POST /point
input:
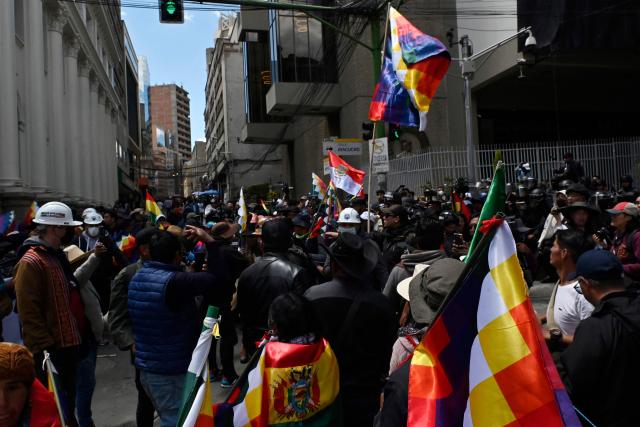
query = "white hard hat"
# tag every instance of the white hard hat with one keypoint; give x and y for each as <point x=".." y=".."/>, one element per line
<point x="349" y="216"/>
<point x="92" y="218"/>
<point x="55" y="213"/>
<point x="368" y="216"/>
<point x="88" y="211"/>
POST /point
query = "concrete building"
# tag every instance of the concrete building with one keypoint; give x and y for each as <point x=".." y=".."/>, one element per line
<point x="304" y="81"/>
<point x="63" y="113"/>
<point x="129" y="153"/>
<point x="170" y="130"/>
<point x="231" y="163"/>
<point x="170" y="112"/>
<point x="195" y="170"/>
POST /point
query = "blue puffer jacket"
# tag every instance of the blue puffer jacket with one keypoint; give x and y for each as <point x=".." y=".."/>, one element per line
<point x="164" y="338"/>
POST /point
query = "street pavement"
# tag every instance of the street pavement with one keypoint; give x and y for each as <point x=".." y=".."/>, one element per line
<point x="114" y="401"/>
<point x="115" y="398"/>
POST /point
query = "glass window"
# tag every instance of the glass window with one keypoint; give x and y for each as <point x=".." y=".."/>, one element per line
<point x="286" y="47"/>
<point x="18" y="15"/>
<point x="304" y="50"/>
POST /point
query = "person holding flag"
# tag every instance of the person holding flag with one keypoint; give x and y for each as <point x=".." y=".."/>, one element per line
<point x="165" y="318"/>
<point x="48" y="298"/>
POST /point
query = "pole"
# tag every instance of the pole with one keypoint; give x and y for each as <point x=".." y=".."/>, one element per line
<point x="471" y="158"/>
<point x="377" y="66"/>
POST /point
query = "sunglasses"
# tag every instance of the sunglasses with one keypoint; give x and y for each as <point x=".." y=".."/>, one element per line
<point x="577" y="287"/>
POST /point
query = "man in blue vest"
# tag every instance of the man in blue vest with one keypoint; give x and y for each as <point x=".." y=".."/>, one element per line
<point x="166" y="321"/>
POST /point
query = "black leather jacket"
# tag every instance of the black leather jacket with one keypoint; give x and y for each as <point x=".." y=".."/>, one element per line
<point x="270" y="276"/>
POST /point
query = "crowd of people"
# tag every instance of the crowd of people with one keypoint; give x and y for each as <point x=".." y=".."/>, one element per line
<point x="369" y="281"/>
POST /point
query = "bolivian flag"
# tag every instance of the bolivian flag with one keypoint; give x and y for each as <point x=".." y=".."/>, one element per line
<point x="285" y="385"/>
<point x="152" y="208"/>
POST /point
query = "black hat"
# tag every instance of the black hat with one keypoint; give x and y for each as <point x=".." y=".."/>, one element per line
<point x="356" y="256"/>
<point x="579" y="205"/>
<point x="301" y="220"/>
<point x="396" y="210"/>
<point x="143" y="237"/>
<point x="580" y="189"/>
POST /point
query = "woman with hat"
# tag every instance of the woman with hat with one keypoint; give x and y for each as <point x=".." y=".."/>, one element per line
<point x="84" y="265"/>
<point x="580" y="216"/>
<point x="24" y="401"/>
<point x="625" y="219"/>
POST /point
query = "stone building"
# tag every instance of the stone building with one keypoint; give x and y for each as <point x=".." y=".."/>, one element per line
<point x="63" y="113"/>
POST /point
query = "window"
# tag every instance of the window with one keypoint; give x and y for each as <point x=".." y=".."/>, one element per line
<point x="18" y="15"/>
<point x="302" y="50"/>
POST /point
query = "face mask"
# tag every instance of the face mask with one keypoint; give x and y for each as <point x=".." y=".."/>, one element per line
<point x="347" y="230"/>
<point x="93" y="231"/>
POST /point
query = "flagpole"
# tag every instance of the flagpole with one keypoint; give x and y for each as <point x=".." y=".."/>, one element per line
<point x="375" y="124"/>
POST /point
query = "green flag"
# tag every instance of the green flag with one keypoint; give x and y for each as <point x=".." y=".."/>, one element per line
<point x="495" y="201"/>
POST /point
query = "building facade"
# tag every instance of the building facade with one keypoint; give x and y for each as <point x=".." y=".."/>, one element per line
<point x="195" y="170"/>
<point x="129" y="153"/>
<point x="170" y="138"/>
<point x="233" y="164"/>
<point x="305" y="81"/>
<point x="170" y="112"/>
<point x="63" y="114"/>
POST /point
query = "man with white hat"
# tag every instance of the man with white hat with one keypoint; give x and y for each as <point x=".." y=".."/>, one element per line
<point x="49" y="301"/>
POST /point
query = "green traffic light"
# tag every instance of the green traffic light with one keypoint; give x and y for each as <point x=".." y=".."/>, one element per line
<point x="170" y="7"/>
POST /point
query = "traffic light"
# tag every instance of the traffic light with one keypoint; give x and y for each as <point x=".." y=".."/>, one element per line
<point x="394" y="132"/>
<point x="171" y="11"/>
<point x="367" y="131"/>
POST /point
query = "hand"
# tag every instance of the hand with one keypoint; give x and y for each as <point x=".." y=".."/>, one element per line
<point x="546" y="334"/>
<point x="523" y="248"/>
<point x="197" y="234"/>
<point x="597" y="240"/>
<point x="100" y="249"/>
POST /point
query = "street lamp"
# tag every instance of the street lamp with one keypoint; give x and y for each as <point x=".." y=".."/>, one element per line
<point x="467" y="65"/>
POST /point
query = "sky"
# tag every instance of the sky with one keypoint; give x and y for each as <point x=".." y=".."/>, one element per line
<point x="176" y="53"/>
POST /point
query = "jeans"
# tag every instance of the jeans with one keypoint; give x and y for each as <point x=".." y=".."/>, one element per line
<point x="144" y="410"/>
<point x="165" y="392"/>
<point x="86" y="384"/>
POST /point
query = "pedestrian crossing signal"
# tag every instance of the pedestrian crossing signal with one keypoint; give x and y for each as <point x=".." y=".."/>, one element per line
<point x="171" y="11"/>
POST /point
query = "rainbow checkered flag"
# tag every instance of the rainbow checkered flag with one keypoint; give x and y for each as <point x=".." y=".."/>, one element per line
<point x="285" y="385"/>
<point x="484" y="361"/>
<point x="197" y="402"/>
<point x="54" y="388"/>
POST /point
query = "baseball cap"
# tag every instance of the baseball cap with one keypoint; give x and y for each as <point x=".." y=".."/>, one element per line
<point x="626" y="208"/>
<point x="597" y="264"/>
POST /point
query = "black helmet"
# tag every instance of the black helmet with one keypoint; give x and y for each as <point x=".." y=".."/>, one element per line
<point x="537" y="193"/>
<point x="627" y="178"/>
<point x="564" y="184"/>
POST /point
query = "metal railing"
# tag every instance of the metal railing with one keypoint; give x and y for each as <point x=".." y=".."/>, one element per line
<point x="607" y="158"/>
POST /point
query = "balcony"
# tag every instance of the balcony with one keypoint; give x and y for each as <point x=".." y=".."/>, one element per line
<point x="264" y="133"/>
<point x="289" y="99"/>
<point x="252" y="22"/>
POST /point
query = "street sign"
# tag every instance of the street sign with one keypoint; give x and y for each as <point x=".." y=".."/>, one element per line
<point x="380" y="155"/>
<point x="342" y="146"/>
